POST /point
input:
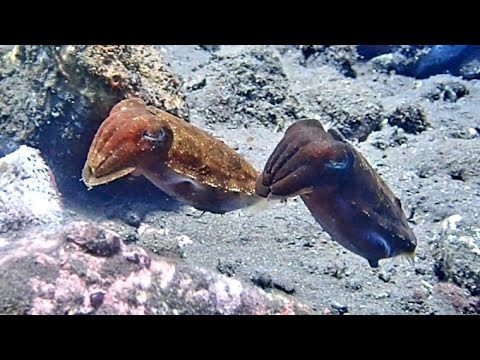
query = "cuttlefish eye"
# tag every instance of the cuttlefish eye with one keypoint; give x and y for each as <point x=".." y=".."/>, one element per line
<point x="343" y="165"/>
<point x="154" y="137"/>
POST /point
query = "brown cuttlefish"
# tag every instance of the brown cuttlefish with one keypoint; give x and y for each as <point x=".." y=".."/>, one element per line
<point x="345" y="195"/>
<point x="182" y="160"/>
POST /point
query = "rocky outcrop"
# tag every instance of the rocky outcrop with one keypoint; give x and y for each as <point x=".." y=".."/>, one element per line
<point x="82" y="268"/>
<point x="28" y="192"/>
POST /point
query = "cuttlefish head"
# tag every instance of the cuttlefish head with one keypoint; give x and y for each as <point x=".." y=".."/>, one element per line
<point x="129" y="135"/>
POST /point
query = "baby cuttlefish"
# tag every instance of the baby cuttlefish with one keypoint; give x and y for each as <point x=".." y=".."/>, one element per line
<point x="342" y="191"/>
<point x="181" y="159"/>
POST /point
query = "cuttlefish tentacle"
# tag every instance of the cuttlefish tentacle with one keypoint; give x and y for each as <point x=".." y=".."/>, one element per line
<point x="342" y="191"/>
<point x="182" y="160"/>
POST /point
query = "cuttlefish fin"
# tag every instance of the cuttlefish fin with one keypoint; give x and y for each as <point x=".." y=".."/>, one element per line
<point x="261" y="204"/>
<point x="137" y="172"/>
<point x="90" y="180"/>
<point x="304" y="191"/>
<point x="410" y="257"/>
<point x="337" y="135"/>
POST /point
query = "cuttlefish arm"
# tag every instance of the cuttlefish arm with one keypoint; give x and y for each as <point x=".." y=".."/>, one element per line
<point x="304" y="159"/>
<point x="340" y="188"/>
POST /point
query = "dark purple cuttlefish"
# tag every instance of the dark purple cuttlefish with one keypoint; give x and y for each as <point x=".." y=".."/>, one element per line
<point x="342" y="191"/>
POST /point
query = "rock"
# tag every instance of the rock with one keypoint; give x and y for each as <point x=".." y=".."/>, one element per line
<point x="456" y="297"/>
<point x="80" y="84"/>
<point x="447" y="91"/>
<point x="339" y="309"/>
<point x="396" y="62"/>
<point x="211" y="48"/>
<point x="381" y="295"/>
<point x="28" y="192"/>
<point x="115" y="72"/>
<point x="457" y="259"/>
<point x="410" y="117"/>
<point x="457" y="255"/>
<point x="439" y="59"/>
<point x="385" y="276"/>
<point x="226" y="267"/>
<point x="263" y="280"/>
<point x="369" y="51"/>
<point x="7" y="145"/>
<point x="5" y="49"/>
<point x="353" y="285"/>
<point x="471" y="70"/>
<point x="458" y="174"/>
<point x="341" y="102"/>
<point x="421" y="61"/>
<point x="196" y="84"/>
<point x="94" y="241"/>
<point x="128" y="233"/>
<point x="337" y="270"/>
<point x="56" y="272"/>
<point x="55" y="97"/>
<point x="132" y="218"/>
<point x="466" y="134"/>
<point x="160" y="241"/>
<point x="341" y="57"/>
<point x="309" y="243"/>
<point x="470" y="66"/>
<point x="244" y="85"/>
<point x="420" y="270"/>
<point x="414" y="303"/>
<point x="96" y="299"/>
<point x="285" y="285"/>
<point x="388" y="137"/>
<point x="457" y="159"/>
